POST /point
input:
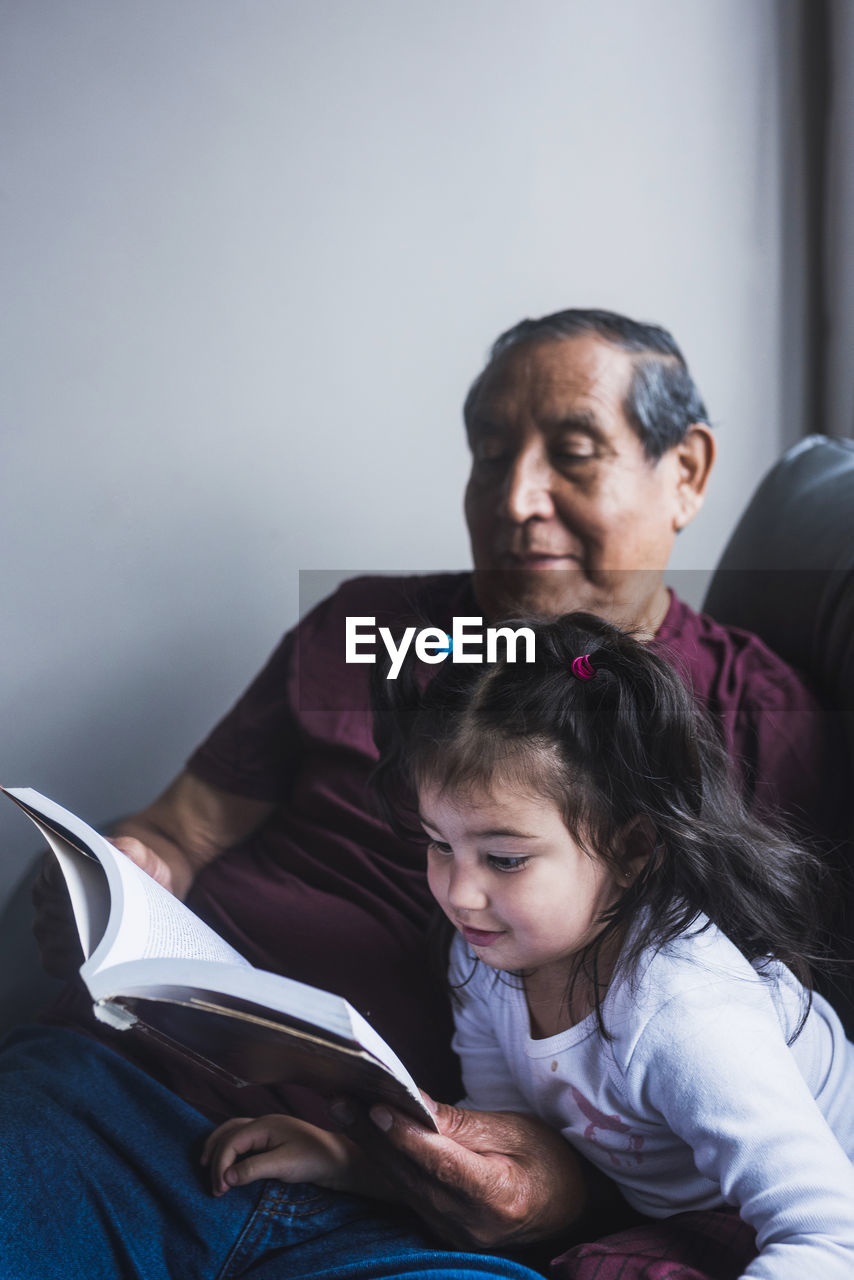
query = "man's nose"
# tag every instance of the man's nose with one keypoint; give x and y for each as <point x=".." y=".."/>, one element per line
<point x="528" y="486"/>
<point x="466" y="891"/>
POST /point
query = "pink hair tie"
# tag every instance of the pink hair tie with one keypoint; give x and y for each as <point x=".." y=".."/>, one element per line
<point x="581" y="667"/>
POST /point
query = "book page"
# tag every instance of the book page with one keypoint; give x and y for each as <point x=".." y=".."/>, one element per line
<point x="157" y="925"/>
<point x="143" y="919"/>
<point x="374" y="1043"/>
<point x="88" y="890"/>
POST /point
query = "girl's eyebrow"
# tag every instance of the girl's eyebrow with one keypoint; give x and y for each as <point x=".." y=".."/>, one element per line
<point x="495" y="832"/>
<point x="491" y="834"/>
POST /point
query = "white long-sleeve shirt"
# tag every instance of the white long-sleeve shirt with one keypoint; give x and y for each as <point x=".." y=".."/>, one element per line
<point x="696" y="1101"/>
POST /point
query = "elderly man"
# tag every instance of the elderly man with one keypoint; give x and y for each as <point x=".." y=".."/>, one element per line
<point x="590" y="451"/>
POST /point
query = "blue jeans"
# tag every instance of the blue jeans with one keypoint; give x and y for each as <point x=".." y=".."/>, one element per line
<point x="100" y="1180"/>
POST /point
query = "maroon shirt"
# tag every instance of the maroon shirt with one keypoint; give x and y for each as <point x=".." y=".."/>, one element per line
<point x="325" y="893"/>
<point x="780" y="740"/>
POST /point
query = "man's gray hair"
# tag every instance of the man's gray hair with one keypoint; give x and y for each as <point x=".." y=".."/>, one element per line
<point x="662" y="400"/>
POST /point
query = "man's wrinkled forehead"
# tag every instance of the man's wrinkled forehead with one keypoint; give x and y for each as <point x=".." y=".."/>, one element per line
<point x="580" y="381"/>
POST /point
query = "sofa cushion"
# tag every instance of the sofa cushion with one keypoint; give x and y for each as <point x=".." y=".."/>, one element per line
<point x="787" y="572"/>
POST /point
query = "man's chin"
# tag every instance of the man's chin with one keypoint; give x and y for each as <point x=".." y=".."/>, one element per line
<point x="627" y="598"/>
<point x="543" y="593"/>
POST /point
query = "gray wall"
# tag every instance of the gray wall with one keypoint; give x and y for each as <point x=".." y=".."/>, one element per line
<point x="254" y="251"/>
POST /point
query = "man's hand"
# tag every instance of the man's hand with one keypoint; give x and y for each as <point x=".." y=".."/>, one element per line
<point x="488" y="1179"/>
<point x="146" y="859"/>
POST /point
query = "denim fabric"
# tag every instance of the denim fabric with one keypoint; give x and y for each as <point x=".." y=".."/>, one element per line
<point x="100" y="1180"/>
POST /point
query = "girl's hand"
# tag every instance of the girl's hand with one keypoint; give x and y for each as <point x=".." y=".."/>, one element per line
<point x="243" y="1151"/>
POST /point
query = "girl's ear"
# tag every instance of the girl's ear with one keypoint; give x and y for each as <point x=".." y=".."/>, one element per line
<point x="637" y="840"/>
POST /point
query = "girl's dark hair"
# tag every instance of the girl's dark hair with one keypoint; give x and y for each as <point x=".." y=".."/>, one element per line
<point x="628" y="743"/>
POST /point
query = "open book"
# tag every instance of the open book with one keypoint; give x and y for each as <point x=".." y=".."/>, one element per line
<point x="152" y="965"/>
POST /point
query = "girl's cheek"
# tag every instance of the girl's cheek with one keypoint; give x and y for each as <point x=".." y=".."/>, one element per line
<point x="436" y="881"/>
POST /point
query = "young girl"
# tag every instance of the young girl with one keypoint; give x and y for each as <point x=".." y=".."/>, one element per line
<point x="630" y="951"/>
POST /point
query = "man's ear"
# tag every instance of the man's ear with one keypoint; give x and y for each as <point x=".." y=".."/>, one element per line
<point x="695" y="457"/>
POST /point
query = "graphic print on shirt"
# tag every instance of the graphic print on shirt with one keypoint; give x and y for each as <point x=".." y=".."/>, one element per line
<point x="628" y="1150"/>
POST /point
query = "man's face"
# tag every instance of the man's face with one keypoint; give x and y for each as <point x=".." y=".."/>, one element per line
<point x="564" y="509"/>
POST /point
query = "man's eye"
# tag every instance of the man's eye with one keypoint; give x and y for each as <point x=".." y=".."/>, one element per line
<point x="490" y="455"/>
<point x="507" y="863"/>
<point x="571" y="457"/>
